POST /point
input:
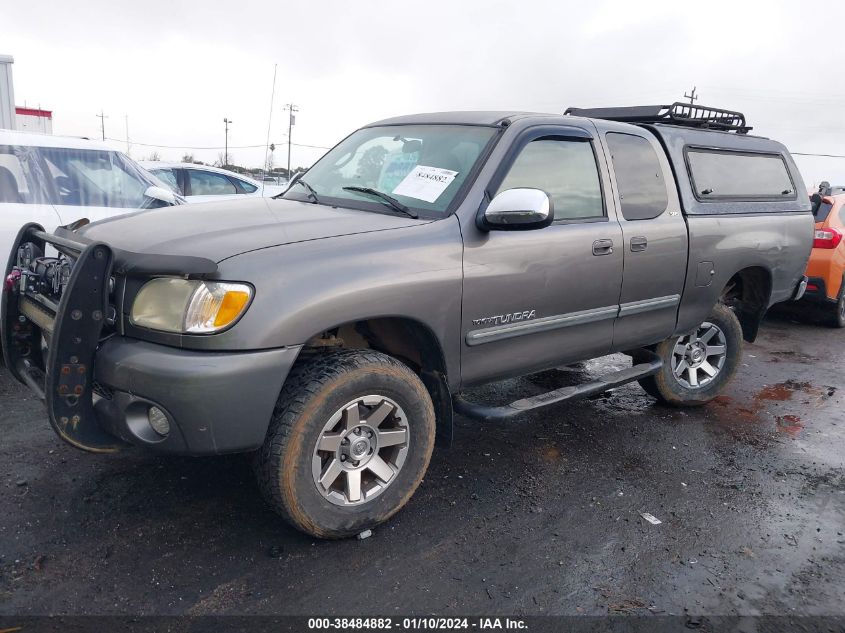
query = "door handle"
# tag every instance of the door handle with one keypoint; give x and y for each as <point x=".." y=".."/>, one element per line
<point x="602" y="247"/>
<point x="638" y="244"/>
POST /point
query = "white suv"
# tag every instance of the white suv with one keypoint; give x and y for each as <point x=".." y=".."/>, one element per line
<point x="55" y="180"/>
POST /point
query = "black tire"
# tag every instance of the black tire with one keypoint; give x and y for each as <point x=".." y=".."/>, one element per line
<point x="837" y="318"/>
<point x="317" y="389"/>
<point x="668" y="388"/>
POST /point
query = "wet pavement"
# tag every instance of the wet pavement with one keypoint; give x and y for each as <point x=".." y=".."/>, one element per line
<point x="542" y="515"/>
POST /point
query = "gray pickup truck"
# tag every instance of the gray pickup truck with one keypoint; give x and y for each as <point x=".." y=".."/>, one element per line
<point x="331" y="331"/>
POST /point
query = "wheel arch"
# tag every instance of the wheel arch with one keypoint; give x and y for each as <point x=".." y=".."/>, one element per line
<point x="409" y="341"/>
<point x="748" y="293"/>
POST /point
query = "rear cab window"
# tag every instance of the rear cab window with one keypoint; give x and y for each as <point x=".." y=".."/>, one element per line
<point x="732" y="175"/>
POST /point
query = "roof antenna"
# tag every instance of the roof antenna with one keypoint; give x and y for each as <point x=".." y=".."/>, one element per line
<point x="269" y="123"/>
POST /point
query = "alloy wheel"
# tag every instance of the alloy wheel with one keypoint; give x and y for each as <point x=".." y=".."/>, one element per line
<point x="361" y="450"/>
<point x="697" y="358"/>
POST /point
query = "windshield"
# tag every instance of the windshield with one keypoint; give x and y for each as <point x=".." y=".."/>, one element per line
<point x="421" y="166"/>
<point x="75" y="177"/>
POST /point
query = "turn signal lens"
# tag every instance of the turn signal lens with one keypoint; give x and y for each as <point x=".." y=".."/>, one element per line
<point x="826" y="238"/>
<point x="216" y="305"/>
<point x="234" y="302"/>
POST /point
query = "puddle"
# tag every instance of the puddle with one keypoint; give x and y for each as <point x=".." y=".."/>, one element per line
<point x="742" y="420"/>
<point x="790" y="425"/>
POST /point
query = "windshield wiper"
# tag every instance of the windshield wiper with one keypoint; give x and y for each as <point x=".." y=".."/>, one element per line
<point x="311" y="192"/>
<point x="390" y="200"/>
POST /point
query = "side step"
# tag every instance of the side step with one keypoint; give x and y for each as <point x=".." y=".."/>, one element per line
<point x="648" y="364"/>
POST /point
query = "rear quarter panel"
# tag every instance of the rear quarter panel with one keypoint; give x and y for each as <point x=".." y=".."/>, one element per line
<point x="777" y="242"/>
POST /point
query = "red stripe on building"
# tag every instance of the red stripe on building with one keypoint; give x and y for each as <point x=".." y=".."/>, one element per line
<point x="47" y="114"/>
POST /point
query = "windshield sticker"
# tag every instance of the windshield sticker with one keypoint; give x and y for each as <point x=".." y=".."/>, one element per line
<point x="396" y="166"/>
<point x="425" y="183"/>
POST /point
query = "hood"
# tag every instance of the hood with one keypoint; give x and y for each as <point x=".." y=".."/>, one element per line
<point x="219" y="230"/>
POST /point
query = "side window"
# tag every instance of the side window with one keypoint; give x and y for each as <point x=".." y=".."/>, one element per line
<point x="729" y="174"/>
<point x="824" y="210"/>
<point x="642" y="186"/>
<point x="247" y="187"/>
<point x="566" y="170"/>
<point x="206" y="183"/>
<point x="168" y="177"/>
<point x="13" y="186"/>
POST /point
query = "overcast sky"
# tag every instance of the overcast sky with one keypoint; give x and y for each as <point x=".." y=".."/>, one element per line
<point x="176" y="69"/>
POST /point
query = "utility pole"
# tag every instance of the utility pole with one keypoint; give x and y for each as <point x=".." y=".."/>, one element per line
<point x="292" y="109"/>
<point x="692" y="97"/>
<point x="226" y="150"/>
<point x="102" y="118"/>
<point x="128" y="146"/>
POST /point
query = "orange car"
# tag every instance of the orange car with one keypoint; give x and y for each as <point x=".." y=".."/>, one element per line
<point x="826" y="267"/>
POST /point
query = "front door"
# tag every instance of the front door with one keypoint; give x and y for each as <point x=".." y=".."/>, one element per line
<point x="535" y="299"/>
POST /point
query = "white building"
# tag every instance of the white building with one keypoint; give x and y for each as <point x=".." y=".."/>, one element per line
<point x="7" y="93"/>
<point x="34" y="120"/>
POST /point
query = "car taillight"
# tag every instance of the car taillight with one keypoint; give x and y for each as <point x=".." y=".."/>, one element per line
<point x="826" y="238"/>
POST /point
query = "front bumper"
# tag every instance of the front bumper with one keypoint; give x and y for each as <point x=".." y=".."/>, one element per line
<point x="98" y="385"/>
<point x="215" y="402"/>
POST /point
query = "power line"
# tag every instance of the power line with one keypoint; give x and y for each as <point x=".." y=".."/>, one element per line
<point x="819" y="155"/>
<point x="211" y="147"/>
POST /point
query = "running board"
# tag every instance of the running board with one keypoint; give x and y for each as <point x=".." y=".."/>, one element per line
<point x="648" y="364"/>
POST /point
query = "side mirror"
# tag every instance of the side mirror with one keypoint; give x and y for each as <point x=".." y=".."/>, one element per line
<point x="161" y="194"/>
<point x="520" y="209"/>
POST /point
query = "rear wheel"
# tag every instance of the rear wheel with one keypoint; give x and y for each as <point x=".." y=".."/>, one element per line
<point x="349" y="442"/>
<point x="698" y="365"/>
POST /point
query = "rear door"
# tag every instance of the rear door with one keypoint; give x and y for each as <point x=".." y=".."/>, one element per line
<point x="654" y="234"/>
<point x="533" y="299"/>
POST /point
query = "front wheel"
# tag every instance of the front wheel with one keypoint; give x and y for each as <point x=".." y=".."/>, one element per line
<point x="349" y="442"/>
<point x="698" y="365"/>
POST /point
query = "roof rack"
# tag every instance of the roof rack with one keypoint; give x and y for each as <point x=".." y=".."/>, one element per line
<point x="676" y="114"/>
<point x="826" y="189"/>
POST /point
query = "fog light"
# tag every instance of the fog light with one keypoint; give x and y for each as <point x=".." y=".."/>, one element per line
<point x="158" y="420"/>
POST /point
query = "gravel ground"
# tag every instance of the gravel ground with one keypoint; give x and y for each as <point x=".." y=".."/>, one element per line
<point x="538" y="516"/>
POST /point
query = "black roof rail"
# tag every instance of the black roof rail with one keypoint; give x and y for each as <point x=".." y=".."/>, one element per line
<point x="676" y="114"/>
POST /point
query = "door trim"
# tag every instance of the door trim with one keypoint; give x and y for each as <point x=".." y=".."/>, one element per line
<point x="545" y="324"/>
<point x="558" y="321"/>
<point x="658" y="303"/>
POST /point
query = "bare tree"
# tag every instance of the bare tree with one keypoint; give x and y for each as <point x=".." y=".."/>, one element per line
<point x="154" y="156"/>
<point x="187" y="158"/>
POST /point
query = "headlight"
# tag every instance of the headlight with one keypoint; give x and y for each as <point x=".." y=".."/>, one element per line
<point x="189" y="306"/>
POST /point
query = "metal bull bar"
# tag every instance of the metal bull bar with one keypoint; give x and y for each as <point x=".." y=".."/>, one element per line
<point x="72" y="328"/>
